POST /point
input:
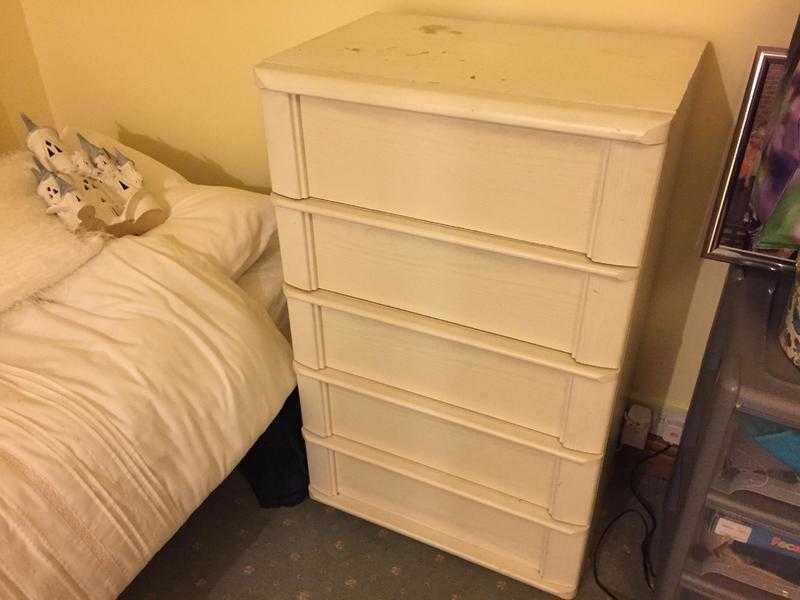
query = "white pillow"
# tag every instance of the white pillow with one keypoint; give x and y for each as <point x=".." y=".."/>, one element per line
<point x="230" y="227"/>
<point x="263" y="281"/>
<point x="36" y="250"/>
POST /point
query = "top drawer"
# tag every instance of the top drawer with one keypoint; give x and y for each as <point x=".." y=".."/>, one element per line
<point x="548" y="135"/>
<point x="589" y="195"/>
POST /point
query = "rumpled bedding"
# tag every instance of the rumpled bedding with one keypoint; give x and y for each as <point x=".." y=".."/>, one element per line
<point x="127" y="393"/>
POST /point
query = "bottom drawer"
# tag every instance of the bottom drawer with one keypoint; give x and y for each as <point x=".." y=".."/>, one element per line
<point x="479" y="524"/>
<point x="515" y="460"/>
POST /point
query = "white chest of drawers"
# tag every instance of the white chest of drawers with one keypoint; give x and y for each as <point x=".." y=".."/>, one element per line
<point x="468" y="215"/>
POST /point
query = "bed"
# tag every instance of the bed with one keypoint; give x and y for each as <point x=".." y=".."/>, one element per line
<point x="130" y="389"/>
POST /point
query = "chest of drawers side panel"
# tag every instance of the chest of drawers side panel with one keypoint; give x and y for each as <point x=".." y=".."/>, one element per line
<point x="650" y="271"/>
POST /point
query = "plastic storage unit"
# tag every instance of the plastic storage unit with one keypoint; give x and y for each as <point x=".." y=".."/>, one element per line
<point x="745" y="381"/>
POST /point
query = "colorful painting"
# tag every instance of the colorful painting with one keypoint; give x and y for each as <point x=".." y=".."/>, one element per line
<point x="734" y="228"/>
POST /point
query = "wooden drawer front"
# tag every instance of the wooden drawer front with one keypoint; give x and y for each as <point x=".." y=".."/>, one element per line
<point x="537" y="295"/>
<point x="540" y="389"/>
<point x="490" y="528"/>
<point x="584" y="194"/>
<point x="511" y="459"/>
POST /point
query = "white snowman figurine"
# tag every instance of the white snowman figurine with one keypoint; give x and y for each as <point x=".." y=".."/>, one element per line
<point x="47" y="147"/>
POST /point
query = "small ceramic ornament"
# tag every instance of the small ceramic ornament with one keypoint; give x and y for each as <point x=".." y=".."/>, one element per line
<point x="47" y="187"/>
<point x="104" y="162"/>
<point x="103" y="167"/>
<point x="97" y="190"/>
<point x="142" y="213"/>
<point x="115" y="179"/>
<point x="69" y="206"/>
<point x="108" y="207"/>
<point x="127" y="169"/>
<point x="82" y="163"/>
<point x="47" y="147"/>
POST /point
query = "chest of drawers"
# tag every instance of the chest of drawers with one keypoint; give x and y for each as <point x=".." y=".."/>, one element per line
<point x="469" y="215"/>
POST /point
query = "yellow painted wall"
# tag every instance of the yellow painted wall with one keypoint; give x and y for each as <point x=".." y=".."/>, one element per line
<point x="21" y="87"/>
<point x="175" y="80"/>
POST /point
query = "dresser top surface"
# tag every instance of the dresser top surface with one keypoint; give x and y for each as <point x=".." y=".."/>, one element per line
<point x="639" y="78"/>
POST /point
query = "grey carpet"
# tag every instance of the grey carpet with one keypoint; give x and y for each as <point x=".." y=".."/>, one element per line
<point x="231" y="549"/>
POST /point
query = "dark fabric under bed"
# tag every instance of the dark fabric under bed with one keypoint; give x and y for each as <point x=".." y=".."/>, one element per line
<point x="276" y="465"/>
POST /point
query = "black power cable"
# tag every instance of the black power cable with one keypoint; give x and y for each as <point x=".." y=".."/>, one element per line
<point x="649" y="530"/>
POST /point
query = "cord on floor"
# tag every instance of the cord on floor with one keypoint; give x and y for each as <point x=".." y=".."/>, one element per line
<point x="649" y="530"/>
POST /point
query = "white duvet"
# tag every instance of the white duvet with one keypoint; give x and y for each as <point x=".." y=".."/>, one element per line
<point x="126" y="395"/>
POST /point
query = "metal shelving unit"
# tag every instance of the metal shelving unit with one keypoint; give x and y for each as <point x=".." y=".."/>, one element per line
<point x="744" y="375"/>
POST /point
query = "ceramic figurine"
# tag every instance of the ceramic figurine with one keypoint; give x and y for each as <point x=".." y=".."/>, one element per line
<point x="91" y="188"/>
<point x="104" y="162"/>
<point x="82" y="163"/>
<point x="109" y="207"/>
<point x="47" y="147"/>
<point x="47" y="187"/>
<point x="115" y="179"/>
<point x="103" y="167"/>
<point x="69" y="205"/>
<point x="142" y="213"/>
<point x="127" y="169"/>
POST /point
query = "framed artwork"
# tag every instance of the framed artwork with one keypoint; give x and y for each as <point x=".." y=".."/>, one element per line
<point x="733" y="227"/>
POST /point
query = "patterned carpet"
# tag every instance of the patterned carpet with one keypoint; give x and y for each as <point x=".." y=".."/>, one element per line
<point x="231" y="549"/>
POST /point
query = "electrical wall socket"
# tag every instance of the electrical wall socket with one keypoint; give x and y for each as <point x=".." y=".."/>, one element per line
<point x="637" y="422"/>
<point x="668" y="423"/>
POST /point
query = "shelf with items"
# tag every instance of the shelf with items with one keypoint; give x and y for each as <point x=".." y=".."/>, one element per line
<point x="769" y="384"/>
<point x="763" y="458"/>
<point x="719" y="587"/>
<point x="755" y="508"/>
<point x="737" y="459"/>
<point x="728" y="547"/>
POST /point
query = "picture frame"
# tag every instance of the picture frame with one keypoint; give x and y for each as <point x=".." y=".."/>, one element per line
<point x="731" y="229"/>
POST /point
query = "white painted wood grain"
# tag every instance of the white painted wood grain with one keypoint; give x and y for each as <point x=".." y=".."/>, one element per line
<point x="529" y="301"/>
<point x="452" y="202"/>
<point x="559" y="302"/>
<point x="509" y="458"/>
<point x="322" y="468"/>
<point x="472" y="514"/>
<point x="525" y="184"/>
<point x="543" y="390"/>
<point x="455" y="235"/>
<point x="315" y="404"/>
<point x="626" y="203"/>
<point x="285" y="144"/>
<point x="615" y="85"/>
<point x="299" y="263"/>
